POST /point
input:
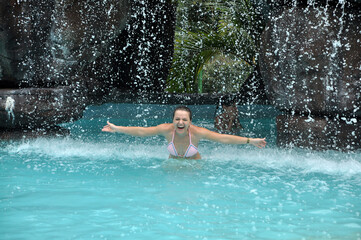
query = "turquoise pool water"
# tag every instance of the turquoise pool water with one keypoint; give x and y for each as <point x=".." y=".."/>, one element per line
<point x="94" y="185"/>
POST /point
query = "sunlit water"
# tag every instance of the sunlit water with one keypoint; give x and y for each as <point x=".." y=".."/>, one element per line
<point x="110" y="186"/>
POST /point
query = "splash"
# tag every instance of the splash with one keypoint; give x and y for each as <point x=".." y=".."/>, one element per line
<point x="280" y="162"/>
<point x="9" y="108"/>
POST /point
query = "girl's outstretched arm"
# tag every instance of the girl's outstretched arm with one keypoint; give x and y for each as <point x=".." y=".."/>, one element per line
<point x="136" y="131"/>
<point x="232" y="139"/>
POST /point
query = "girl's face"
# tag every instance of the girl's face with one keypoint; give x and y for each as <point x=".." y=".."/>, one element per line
<point x="181" y="121"/>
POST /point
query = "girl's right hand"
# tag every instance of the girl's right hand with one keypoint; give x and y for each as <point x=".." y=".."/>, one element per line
<point x="110" y="127"/>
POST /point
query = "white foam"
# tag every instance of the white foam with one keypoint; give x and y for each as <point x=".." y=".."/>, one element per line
<point x="283" y="160"/>
<point x="73" y="148"/>
<point x="270" y="158"/>
<point x="9" y="108"/>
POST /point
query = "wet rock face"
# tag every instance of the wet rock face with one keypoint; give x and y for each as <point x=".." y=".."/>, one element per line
<point x="44" y="50"/>
<point x="45" y="44"/>
<point x="310" y="61"/>
<point x="97" y="44"/>
<point x="39" y="107"/>
<point x="319" y="133"/>
<point x="81" y="32"/>
<point x="311" y="58"/>
<point x="87" y="47"/>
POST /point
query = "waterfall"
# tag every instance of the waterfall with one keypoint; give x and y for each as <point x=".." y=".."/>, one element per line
<point x="9" y="108"/>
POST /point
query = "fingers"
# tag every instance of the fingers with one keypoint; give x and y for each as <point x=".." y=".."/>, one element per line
<point x="107" y="127"/>
<point x="261" y="143"/>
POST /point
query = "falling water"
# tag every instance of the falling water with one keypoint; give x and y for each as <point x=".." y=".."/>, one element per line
<point x="9" y="108"/>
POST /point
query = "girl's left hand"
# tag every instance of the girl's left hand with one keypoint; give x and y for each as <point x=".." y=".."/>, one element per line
<point x="258" y="142"/>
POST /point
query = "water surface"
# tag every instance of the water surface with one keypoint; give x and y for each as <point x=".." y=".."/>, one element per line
<point x="111" y="186"/>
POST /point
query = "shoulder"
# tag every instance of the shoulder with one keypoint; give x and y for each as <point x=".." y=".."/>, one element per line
<point x="204" y="133"/>
<point x="200" y="132"/>
<point x="165" y="127"/>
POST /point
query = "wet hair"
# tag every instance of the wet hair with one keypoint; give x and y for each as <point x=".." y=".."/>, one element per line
<point x="183" y="108"/>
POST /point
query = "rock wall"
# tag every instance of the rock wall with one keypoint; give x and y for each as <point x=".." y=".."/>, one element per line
<point x="44" y="44"/>
<point x="39" y="107"/>
<point x="311" y="66"/>
<point x="86" y="47"/>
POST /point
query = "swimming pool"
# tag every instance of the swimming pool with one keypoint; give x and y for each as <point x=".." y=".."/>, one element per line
<point x="94" y="185"/>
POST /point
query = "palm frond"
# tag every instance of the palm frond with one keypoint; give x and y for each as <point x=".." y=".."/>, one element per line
<point x="230" y="33"/>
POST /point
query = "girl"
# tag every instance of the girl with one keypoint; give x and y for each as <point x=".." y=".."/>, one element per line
<point x="182" y="136"/>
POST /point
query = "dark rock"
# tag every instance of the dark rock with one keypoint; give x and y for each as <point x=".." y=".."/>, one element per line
<point x="96" y="46"/>
<point x="45" y="44"/>
<point x="39" y="107"/>
<point x="304" y="3"/>
<point x="144" y="50"/>
<point x="253" y="89"/>
<point x="320" y="133"/>
<point x="142" y="53"/>
<point x="180" y="98"/>
<point x="310" y="60"/>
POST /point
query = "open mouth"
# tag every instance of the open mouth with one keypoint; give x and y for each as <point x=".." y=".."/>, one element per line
<point x="180" y="127"/>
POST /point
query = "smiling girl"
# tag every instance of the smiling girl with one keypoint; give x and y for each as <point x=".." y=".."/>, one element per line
<point x="182" y="136"/>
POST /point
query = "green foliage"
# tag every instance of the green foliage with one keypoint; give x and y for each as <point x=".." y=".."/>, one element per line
<point x="224" y="74"/>
<point x="207" y="30"/>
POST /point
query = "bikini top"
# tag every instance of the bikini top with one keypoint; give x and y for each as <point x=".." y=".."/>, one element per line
<point x="191" y="150"/>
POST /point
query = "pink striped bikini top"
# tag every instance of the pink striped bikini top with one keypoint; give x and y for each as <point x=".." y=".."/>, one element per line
<point x="191" y="150"/>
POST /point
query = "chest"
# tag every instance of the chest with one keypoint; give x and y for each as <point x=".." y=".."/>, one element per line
<point x="183" y="143"/>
